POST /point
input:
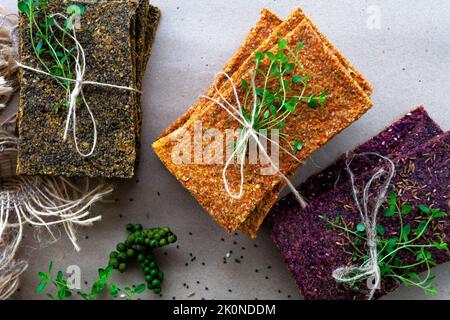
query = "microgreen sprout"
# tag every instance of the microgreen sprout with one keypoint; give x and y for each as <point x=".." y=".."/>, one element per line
<point x="282" y="90"/>
<point x="53" y="49"/>
<point x="403" y="254"/>
<point x="138" y="246"/>
<point x="63" y="290"/>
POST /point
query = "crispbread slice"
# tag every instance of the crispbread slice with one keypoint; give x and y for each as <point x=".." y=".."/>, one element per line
<point x="347" y="102"/>
<point x="263" y="28"/>
<point x="106" y="35"/>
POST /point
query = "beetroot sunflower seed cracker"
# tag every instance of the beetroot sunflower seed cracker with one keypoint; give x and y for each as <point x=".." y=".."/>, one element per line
<point x="113" y="35"/>
<point x="347" y="103"/>
<point x="411" y="131"/>
<point x="313" y="252"/>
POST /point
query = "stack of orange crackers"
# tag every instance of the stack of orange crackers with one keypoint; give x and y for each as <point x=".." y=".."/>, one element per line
<point x="348" y="99"/>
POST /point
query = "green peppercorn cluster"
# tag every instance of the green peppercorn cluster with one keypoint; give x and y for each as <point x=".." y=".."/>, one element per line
<point x="139" y="245"/>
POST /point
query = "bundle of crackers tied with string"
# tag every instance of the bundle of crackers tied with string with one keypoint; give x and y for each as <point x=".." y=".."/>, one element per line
<point x="81" y="69"/>
<point x="334" y="253"/>
<point x="286" y="89"/>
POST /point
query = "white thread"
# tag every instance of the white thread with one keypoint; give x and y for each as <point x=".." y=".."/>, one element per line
<point x="80" y="69"/>
<point x="370" y="268"/>
<point x="247" y="133"/>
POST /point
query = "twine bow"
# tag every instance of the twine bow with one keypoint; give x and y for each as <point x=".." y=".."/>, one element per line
<point x="80" y="69"/>
<point x="369" y="269"/>
<point x="248" y="132"/>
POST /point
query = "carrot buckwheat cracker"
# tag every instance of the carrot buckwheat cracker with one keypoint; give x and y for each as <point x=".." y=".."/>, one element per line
<point x="331" y="95"/>
<point x="116" y="38"/>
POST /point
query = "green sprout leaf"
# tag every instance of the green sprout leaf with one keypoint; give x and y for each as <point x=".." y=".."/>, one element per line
<point x="298" y="145"/>
<point x="360" y="227"/>
<point x="396" y="248"/>
<point x="424" y="209"/>
<point x="282" y="44"/>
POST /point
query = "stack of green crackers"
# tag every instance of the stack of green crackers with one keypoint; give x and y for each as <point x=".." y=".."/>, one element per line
<point x="116" y="37"/>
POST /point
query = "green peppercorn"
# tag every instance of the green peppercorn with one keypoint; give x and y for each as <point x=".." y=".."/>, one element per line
<point x="154" y="272"/>
<point x="161" y="276"/>
<point x="156" y="282"/>
<point x="138" y="227"/>
<point x="114" y="263"/>
<point x="150" y="286"/>
<point x="157" y="290"/>
<point x="148" y="278"/>
<point x="166" y="229"/>
<point x="154" y="243"/>
<point x="122" y="256"/>
<point x="172" y="238"/>
<point x="122" y="267"/>
<point x="130" y="227"/>
<point x="121" y="247"/>
<point x="113" y="255"/>
<point x="147" y="270"/>
<point x="162" y="242"/>
<point x="146" y="263"/>
<point x="131" y="238"/>
<point x="140" y="258"/>
<point x="152" y="265"/>
<point x="157" y="236"/>
<point x="150" y="257"/>
<point x="130" y="253"/>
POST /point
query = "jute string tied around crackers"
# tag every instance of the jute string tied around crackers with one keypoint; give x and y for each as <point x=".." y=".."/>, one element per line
<point x="248" y="132"/>
<point x="80" y="69"/>
<point x="370" y="269"/>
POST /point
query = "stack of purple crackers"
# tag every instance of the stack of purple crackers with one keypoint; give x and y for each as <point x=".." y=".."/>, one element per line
<point x="420" y="151"/>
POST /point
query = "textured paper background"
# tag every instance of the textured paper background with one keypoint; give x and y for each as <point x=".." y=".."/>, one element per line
<point x="405" y="57"/>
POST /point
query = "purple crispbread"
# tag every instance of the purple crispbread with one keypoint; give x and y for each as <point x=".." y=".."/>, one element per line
<point x="411" y="131"/>
<point x="312" y="252"/>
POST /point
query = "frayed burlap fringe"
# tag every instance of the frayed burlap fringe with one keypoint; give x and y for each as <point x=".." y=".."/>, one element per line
<point x="8" y="68"/>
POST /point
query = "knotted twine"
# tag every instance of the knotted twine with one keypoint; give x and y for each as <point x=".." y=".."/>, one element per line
<point x="370" y="269"/>
<point x="79" y="82"/>
<point x="248" y="132"/>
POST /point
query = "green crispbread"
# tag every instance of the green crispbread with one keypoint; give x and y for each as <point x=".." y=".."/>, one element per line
<point x="113" y="35"/>
<point x="346" y="103"/>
